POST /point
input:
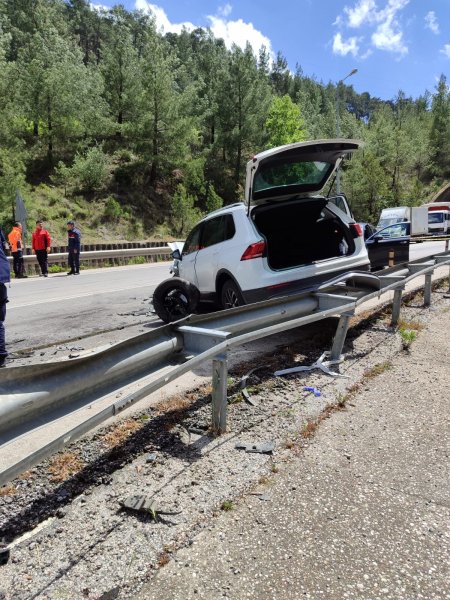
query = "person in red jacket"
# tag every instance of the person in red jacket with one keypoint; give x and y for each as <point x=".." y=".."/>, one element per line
<point x="41" y="243"/>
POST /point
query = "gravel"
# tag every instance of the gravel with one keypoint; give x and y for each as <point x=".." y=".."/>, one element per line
<point x="86" y="546"/>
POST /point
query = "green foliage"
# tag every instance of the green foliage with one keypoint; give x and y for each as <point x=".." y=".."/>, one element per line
<point x="284" y="123"/>
<point x="184" y="212"/>
<point x="89" y="172"/>
<point x="113" y="210"/>
<point x="213" y="200"/>
<point x="408" y="336"/>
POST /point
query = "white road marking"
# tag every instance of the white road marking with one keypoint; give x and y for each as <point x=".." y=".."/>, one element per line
<point x="98" y="293"/>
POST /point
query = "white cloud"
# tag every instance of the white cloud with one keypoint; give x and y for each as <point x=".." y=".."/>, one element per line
<point x="232" y="32"/>
<point x="364" y="11"/>
<point x="389" y="37"/>
<point x="431" y="22"/>
<point x="386" y="31"/>
<point x="344" y="47"/>
<point x="224" y="11"/>
<point x="99" y="7"/>
<point x="239" y="33"/>
<point x="446" y="50"/>
<point x="162" y="20"/>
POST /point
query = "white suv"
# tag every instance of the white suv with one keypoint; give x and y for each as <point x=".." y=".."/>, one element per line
<point x="285" y="237"/>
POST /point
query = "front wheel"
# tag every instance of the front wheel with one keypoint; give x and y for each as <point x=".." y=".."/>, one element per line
<point x="230" y="295"/>
<point x="175" y="299"/>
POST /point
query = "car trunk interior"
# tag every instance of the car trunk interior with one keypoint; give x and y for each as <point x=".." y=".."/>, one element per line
<point x="301" y="232"/>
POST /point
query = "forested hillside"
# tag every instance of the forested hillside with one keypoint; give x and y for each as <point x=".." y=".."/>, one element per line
<point x="131" y="132"/>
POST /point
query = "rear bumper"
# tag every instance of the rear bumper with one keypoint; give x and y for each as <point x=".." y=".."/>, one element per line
<point x="293" y="287"/>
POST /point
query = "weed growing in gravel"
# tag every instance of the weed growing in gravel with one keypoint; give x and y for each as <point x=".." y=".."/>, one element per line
<point x="406" y="324"/>
<point x="226" y="505"/>
<point x="376" y="370"/>
<point x="64" y="466"/>
<point x="121" y="432"/>
<point x="163" y="559"/>
<point x="274" y="468"/>
<point x="408" y="336"/>
<point x="7" y="490"/>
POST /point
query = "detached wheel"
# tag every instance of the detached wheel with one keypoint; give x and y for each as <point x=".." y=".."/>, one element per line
<point x="175" y="299"/>
<point x="230" y="295"/>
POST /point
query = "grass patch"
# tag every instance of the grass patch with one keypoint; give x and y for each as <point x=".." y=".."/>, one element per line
<point x="64" y="466"/>
<point x="7" y="490"/>
<point x="376" y="370"/>
<point x="407" y="324"/>
<point x="121" y="432"/>
<point x="226" y="505"/>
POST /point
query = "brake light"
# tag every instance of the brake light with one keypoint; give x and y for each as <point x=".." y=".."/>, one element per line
<point x="257" y="250"/>
<point x="356" y="229"/>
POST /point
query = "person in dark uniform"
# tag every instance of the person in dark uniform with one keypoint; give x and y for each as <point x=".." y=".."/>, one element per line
<point x="74" y="244"/>
<point x="41" y="243"/>
<point x="4" y="279"/>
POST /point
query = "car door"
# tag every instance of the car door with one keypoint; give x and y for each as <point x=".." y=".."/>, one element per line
<point x="189" y="255"/>
<point x="215" y="233"/>
<point x="392" y="239"/>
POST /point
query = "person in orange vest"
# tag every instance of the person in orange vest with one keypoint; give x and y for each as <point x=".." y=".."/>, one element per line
<point x="15" y="241"/>
<point x="40" y="244"/>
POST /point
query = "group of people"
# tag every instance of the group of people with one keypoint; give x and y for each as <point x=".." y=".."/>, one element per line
<point x="41" y="245"/>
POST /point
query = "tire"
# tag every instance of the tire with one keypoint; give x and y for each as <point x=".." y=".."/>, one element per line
<point x="230" y="295"/>
<point x="174" y="299"/>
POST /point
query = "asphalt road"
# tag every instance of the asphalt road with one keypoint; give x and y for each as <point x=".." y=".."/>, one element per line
<point x="44" y="312"/>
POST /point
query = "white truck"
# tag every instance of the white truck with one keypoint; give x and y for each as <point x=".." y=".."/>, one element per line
<point x="438" y="217"/>
<point x="416" y="215"/>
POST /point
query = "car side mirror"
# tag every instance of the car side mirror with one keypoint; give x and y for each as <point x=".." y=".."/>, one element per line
<point x="176" y="254"/>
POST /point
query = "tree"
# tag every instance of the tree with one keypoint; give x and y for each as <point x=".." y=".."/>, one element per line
<point x="284" y="123"/>
<point x="244" y="100"/>
<point x="59" y="97"/>
<point x="440" y="130"/>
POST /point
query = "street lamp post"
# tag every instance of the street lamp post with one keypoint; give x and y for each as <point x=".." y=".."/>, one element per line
<point x="338" y="128"/>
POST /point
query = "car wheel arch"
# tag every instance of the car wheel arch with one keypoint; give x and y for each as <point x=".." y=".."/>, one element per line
<point x="222" y="276"/>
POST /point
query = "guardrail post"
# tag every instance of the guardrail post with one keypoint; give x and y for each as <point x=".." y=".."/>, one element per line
<point x="427" y="290"/>
<point x="396" y="306"/>
<point x="219" y="394"/>
<point x="339" y="338"/>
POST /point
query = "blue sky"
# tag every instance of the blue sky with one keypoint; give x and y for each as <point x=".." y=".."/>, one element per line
<point x="394" y="44"/>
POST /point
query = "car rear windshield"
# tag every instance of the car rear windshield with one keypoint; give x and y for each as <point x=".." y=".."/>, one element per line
<point x="295" y="174"/>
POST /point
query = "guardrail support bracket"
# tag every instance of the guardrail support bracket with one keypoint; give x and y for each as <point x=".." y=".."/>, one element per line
<point x="219" y="394"/>
<point x="396" y="306"/>
<point x="427" y="289"/>
<point x="339" y="338"/>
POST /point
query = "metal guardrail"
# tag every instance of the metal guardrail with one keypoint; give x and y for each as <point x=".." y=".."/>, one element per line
<point x="76" y="395"/>
<point x="58" y="257"/>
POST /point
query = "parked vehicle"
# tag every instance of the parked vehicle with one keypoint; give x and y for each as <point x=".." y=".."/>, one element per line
<point x="283" y="239"/>
<point x="416" y="215"/>
<point x="438" y="217"/>
<point x="390" y="244"/>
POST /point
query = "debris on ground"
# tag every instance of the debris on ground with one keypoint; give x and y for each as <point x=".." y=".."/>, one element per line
<point x="264" y="448"/>
<point x="314" y="390"/>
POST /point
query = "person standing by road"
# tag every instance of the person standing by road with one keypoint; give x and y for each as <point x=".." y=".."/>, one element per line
<point x="74" y="244"/>
<point x="3" y="242"/>
<point x="4" y="279"/>
<point x="16" y="244"/>
<point x="40" y="244"/>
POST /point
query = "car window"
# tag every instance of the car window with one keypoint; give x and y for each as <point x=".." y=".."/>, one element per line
<point x="218" y="229"/>
<point x="192" y="243"/>
<point x="394" y="231"/>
